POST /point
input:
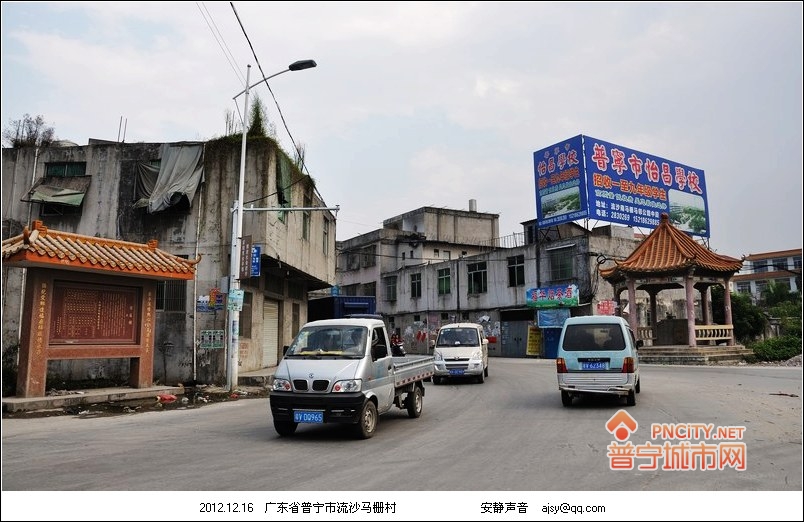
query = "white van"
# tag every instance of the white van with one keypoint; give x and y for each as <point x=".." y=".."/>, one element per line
<point x="461" y="350"/>
<point x="597" y="354"/>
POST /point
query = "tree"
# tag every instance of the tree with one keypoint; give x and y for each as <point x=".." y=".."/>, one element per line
<point x="776" y="293"/>
<point x="258" y="121"/>
<point x="748" y="319"/>
<point x="28" y="131"/>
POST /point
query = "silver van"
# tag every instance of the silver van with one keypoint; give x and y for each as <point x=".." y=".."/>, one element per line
<point x="461" y="350"/>
<point x="597" y="354"/>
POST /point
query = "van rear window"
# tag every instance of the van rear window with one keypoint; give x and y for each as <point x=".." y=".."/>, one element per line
<point x="591" y="337"/>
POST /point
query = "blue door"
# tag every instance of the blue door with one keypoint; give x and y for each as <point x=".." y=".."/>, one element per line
<point x="551" y="336"/>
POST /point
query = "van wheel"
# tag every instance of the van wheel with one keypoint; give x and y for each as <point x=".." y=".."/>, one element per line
<point x="481" y="378"/>
<point x="486" y="371"/>
<point x="413" y="401"/>
<point x="631" y="399"/>
<point x="436" y="380"/>
<point x="566" y="399"/>
<point x="639" y="381"/>
<point x="367" y="424"/>
<point x="285" y="428"/>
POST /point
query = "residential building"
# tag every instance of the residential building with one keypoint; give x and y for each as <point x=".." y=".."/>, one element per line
<point x="182" y="195"/>
<point x="433" y="266"/>
<point x="782" y="267"/>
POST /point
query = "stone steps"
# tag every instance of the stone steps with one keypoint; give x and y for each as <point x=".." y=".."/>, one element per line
<point x="701" y="355"/>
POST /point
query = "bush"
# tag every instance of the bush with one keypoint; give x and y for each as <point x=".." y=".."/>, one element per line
<point x="778" y="348"/>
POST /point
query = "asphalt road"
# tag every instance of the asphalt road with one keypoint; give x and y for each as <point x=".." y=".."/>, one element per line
<point x="510" y="433"/>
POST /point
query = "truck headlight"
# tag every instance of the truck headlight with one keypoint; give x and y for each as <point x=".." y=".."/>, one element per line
<point x="438" y="356"/>
<point x="477" y="355"/>
<point x="281" y="385"/>
<point x="352" y="385"/>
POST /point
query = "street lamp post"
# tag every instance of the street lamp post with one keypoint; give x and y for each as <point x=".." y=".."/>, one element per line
<point x="233" y="320"/>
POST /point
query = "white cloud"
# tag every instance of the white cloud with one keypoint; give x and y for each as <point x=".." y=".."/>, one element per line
<point x="436" y="99"/>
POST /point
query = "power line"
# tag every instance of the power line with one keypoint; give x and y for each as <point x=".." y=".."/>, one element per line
<point x="299" y="155"/>
<point x="221" y="42"/>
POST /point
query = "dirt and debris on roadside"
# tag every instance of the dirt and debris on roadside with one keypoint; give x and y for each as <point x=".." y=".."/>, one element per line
<point x="193" y="397"/>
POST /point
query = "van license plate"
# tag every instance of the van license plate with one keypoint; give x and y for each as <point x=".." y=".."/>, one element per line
<point x="310" y="417"/>
<point x="456" y="372"/>
<point x="596" y="365"/>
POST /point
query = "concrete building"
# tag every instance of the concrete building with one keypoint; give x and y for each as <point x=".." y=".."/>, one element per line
<point x="182" y="195"/>
<point x="433" y="266"/>
<point x="760" y="270"/>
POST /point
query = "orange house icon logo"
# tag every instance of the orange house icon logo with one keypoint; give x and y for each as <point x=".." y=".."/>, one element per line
<point x="621" y="425"/>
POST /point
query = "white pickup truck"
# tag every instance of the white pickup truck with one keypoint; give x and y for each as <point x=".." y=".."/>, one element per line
<point x="343" y="371"/>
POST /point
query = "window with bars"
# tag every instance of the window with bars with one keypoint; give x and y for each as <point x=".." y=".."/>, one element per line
<point x="370" y="289"/>
<point x="516" y="270"/>
<point x="352" y="261"/>
<point x="390" y="288"/>
<point x="444" y="281"/>
<point x="744" y="288"/>
<point x="283" y="192"/>
<point x="561" y="263"/>
<point x="780" y="263"/>
<point x="66" y="169"/>
<point x="477" y="275"/>
<point x="171" y="295"/>
<point x="369" y="256"/>
<point x="349" y="289"/>
<point x="415" y="285"/>
<point x="326" y="237"/>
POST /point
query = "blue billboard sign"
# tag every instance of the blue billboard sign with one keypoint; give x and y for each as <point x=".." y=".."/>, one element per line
<point x="585" y="177"/>
<point x="256" y="251"/>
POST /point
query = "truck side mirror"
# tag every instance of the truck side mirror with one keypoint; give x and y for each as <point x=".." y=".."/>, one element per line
<point x="640" y="343"/>
<point x="285" y="350"/>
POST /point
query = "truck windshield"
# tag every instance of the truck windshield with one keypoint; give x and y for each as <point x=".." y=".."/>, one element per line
<point x="330" y="341"/>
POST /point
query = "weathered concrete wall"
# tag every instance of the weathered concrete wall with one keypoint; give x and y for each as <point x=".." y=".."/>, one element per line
<point x="293" y="264"/>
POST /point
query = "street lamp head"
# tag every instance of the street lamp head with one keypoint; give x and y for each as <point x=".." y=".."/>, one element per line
<point x="301" y="65"/>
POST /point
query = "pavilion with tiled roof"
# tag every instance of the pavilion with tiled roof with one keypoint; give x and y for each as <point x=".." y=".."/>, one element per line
<point x="88" y="298"/>
<point x="668" y="258"/>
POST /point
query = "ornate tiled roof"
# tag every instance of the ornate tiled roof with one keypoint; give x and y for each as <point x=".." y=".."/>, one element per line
<point x="669" y="250"/>
<point x="63" y="250"/>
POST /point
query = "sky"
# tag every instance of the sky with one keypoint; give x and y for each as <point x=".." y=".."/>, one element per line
<point x="417" y="104"/>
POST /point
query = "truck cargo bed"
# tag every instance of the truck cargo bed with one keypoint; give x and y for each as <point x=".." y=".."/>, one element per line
<point x="412" y="368"/>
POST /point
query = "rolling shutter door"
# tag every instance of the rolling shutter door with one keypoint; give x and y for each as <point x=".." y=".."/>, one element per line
<point x="270" y="333"/>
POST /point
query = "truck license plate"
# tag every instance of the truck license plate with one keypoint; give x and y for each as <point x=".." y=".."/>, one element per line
<point x="311" y="417"/>
<point x="456" y="372"/>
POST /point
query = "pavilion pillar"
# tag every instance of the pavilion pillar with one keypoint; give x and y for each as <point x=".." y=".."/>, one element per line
<point x="705" y="300"/>
<point x="727" y="308"/>
<point x="632" y="306"/>
<point x="690" y="294"/>
<point x="653" y="307"/>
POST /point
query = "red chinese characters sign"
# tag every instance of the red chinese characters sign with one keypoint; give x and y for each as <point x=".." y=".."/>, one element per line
<point x="84" y="313"/>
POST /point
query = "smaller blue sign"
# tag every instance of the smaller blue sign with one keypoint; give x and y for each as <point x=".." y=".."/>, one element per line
<point x="552" y="318"/>
<point x="255" y="261"/>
